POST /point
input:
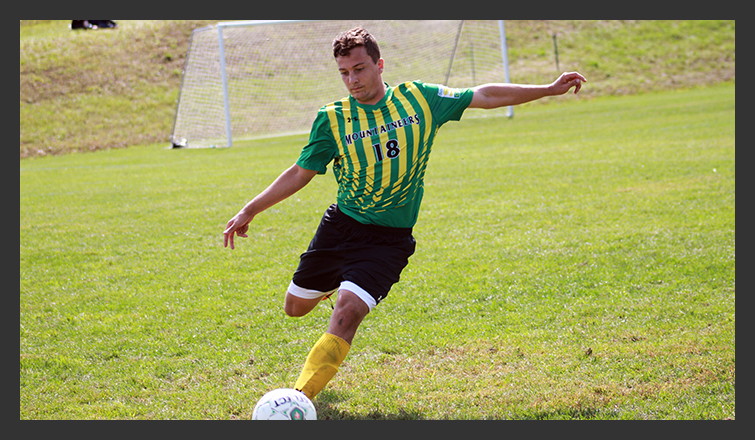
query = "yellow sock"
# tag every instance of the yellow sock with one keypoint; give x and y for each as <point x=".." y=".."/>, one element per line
<point x="322" y="364"/>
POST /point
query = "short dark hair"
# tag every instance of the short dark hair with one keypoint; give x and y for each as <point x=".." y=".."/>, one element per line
<point x="350" y="39"/>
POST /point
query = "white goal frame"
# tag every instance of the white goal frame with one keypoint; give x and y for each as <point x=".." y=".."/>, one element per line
<point x="178" y="142"/>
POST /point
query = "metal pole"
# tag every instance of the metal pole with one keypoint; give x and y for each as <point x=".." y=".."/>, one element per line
<point x="555" y="49"/>
<point x="505" y="56"/>
<point x="453" y="54"/>
<point x="224" y="76"/>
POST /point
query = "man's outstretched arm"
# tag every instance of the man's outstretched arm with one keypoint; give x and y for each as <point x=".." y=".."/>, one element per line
<point x="288" y="183"/>
<point x="503" y="94"/>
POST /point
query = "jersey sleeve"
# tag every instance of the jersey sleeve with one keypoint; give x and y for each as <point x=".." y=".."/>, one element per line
<point x="321" y="148"/>
<point x="446" y="104"/>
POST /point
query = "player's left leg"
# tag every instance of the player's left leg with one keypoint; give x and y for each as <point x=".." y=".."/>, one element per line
<point x="369" y="260"/>
<point x="347" y="315"/>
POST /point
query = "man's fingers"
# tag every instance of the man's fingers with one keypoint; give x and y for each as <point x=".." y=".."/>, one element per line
<point x="228" y="234"/>
<point x="228" y="238"/>
<point x="230" y="231"/>
<point x="575" y="75"/>
<point x="574" y="79"/>
<point x="580" y="79"/>
<point x="241" y="232"/>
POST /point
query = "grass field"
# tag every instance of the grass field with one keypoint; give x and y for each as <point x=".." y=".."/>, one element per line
<point x="574" y="262"/>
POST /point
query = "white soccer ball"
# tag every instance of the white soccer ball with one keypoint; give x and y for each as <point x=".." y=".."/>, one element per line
<point x="284" y="404"/>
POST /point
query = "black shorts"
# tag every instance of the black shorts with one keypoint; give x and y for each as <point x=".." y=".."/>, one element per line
<point x="346" y="253"/>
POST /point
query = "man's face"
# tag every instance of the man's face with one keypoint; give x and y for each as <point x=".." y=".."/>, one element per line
<point x="362" y="76"/>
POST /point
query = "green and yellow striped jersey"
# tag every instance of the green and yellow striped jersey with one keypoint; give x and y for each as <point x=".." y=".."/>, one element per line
<point x="380" y="152"/>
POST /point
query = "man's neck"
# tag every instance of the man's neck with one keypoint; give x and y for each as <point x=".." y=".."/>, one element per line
<point x="379" y="96"/>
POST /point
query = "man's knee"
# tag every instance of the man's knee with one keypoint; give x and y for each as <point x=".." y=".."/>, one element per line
<point x="347" y="315"/>
<point x="295" y="306"/>
<point x="291" y="310"/>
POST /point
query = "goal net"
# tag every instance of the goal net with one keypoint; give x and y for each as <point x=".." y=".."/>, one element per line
<point x="270" y="78"/>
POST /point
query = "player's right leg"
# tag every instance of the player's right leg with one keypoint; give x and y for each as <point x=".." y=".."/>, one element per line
<point x="300" y="301"/>
<point x="318" y="273"/>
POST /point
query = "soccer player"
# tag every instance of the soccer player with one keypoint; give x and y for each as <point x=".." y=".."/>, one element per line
<point x="378" y="141"/>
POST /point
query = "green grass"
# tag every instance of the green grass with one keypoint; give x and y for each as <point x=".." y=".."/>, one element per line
<point x="574" y="262"/>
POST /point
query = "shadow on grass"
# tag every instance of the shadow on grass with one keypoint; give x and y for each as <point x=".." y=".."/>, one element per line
<point x="327" y="409"/>
<point x="566" y="414"/>
<point x="327" y="401"/>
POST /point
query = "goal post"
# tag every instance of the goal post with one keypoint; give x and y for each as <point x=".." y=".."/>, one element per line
<point x="253" y="79"/>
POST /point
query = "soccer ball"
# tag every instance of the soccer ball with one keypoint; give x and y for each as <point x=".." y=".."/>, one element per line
<point x="284" y="404"/>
